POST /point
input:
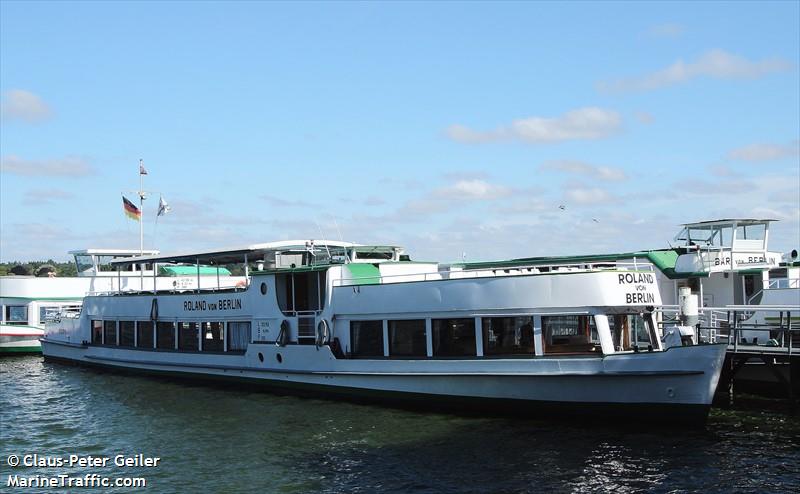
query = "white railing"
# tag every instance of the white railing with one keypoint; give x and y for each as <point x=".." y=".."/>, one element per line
<point x="777" y="284"/>
<point x="239" y="286"/>
<point x="783" y="283"/>
<point x="498" y="271"/>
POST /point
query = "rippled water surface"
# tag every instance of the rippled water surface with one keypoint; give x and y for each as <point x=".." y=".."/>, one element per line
<point x="212" y="439"/>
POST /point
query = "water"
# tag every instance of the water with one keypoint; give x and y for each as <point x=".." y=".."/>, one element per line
<point x="218" y="440"/>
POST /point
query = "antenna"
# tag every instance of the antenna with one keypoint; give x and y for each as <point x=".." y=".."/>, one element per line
<point x="322" y="235"/>
<point x="341" y="239"/>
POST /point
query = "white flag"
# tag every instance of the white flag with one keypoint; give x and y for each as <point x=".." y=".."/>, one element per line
<point x="163" y="207"/>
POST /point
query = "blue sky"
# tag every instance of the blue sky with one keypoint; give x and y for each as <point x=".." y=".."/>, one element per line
<point x="450" y="128"/>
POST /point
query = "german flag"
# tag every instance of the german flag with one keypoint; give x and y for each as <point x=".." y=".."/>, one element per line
<point x="131" y="210"/>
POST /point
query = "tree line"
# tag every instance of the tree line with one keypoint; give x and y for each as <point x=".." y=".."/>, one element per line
<point x="38" y="268"/>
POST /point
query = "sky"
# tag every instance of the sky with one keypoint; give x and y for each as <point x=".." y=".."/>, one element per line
<point x="473" y="130"/>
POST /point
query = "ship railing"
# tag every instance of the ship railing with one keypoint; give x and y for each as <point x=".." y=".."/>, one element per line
<point x="776" y="284"/>
<point x="496" y="271"/>
<point x="730" y="324"/>
<point x="783" y="332"/>
<point x="174" y="290"/>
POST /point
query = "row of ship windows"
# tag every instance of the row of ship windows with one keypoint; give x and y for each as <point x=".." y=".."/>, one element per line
<point x="19" y="314"/>
<point x="498" y="335"/>
<point x="212" y="336"/>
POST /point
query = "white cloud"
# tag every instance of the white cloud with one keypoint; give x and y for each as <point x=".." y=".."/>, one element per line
<point x="766" y="152"/>
<point x="587" y="196"/>
<point x="18" y="104"/>
<point x="580" y="124"/>
<point x="606" y="173"/>
<point x="717" y="64"/>
<point x="667" y="30"/>
<point x="473" y="190"/>
<point x="70" y="166"/>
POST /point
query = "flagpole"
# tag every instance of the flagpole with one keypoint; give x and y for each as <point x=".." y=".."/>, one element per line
<point x="141" y="208"/>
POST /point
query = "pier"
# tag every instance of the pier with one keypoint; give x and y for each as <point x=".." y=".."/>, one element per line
<point x="768" y="369"/>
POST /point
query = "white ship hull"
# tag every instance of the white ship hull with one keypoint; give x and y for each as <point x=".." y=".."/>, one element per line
<point x="680" y="382"/>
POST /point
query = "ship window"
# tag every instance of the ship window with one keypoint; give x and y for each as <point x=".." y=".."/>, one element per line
<point x="630" y="331"/>
<point x="43" y="310"/>
<point x="97" y="332"/>
<point x="110" y="332"/>
<point x="238" y="336"/>
<point x="212" y="336"/>
<point x="84" y="263"/>
<point x="144" y="334"/>
<point x="16" y="314"/>
<point x="299" y="292"/>
<point x="407" y="338"/>
<point x="366" y="338"/>
<point x="453" y="337"/>
<point x="165" y="335"/>
<point x="126" y="329"/>
<point x="187" y="336"/>
<point x="507" y="335"/>
<point x="569" y="334"/>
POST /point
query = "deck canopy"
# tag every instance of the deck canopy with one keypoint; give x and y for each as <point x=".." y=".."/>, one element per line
<point x="738" y="234"/>
<point x="265" y="252"/>
<point x="728" y="222"/>
<point x="113" y="252"/>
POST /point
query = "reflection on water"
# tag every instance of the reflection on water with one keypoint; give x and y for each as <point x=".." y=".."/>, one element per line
<point x="215" y="440"/>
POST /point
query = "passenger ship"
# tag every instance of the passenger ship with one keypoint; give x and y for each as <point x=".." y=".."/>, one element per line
<point x="338" y="319"/>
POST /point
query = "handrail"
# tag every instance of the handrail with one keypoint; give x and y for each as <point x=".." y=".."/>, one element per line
<point x="504" y="271"/>
<point x="776" y="285"/>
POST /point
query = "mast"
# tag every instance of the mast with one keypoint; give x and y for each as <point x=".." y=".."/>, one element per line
<point x="142" y="173"/>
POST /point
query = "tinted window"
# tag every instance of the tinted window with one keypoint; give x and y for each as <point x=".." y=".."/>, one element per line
<point x="110" y="332"/>
<point x="166" y="335"/>
<point x="507" y="335"/>
<point x="126" y="329"/>
<point x="366" y="338"/>
<point x="97" y="332"/>
<point x="453" y="337"/>
<point x="407" y="338"/>
<point x="212" y="337"/>
<point x="144" y="334"/>
<point x="187" y="336"/>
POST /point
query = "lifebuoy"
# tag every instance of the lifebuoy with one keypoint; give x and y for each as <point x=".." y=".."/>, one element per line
<point x="283" y="335"/>
<point x="323" y="333"/>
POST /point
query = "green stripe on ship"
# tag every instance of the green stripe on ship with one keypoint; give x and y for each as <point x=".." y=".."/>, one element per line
<point x="20" y="349"/>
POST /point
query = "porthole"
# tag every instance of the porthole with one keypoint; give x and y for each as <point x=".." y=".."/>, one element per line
<point x="263" y="288"/>
<point x="280" y="359"/>
<point x="260" y="356"/>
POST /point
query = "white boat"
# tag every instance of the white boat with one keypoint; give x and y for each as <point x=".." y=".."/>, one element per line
<point x="364" y="322"/>
<point x="27" y="302"/>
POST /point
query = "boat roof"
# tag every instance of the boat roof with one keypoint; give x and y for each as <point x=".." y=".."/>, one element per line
<point x="728" y="221"/>
<point x="254" y="252"/>
<point x="114" y="252"/>
<point x="663" y="259"/>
